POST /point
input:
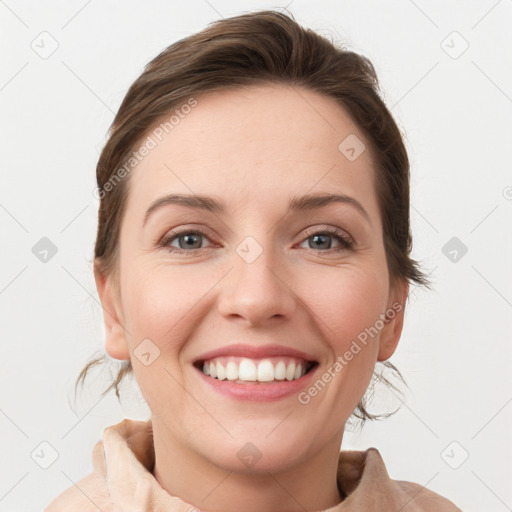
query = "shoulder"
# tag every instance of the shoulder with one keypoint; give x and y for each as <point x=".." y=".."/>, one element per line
<point x="125" y="442"/>
<point x="426" y="499"/>
<point x="412" y="496"/>
<point x="89" y="494"/>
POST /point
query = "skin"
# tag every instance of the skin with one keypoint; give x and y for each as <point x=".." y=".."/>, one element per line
<point x="253" y="148"/>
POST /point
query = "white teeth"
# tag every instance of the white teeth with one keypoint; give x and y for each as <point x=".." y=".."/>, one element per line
<point x="247" y="370"/>
<point x="232" y="370"/>
<point x="280" y="371"/>
<point x="265" y="371"/>
<point x="290" y="371"/>
<point x="221" y="372"/>
<point x="251" y="370"/>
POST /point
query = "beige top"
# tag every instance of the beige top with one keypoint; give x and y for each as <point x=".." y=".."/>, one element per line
<point x="122" y="481"/>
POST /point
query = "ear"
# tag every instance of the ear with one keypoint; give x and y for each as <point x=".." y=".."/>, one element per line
<point x="394" y="321"/>
<point x="116" y="344"/>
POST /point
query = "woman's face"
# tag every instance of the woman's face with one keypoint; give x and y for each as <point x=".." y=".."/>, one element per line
<point x="254" y="286"/>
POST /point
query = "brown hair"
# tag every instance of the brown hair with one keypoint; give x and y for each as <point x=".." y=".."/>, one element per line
<point x="259" y="48"/>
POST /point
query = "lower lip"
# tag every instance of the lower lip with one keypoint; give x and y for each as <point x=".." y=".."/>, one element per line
<point x="260" y="392"/>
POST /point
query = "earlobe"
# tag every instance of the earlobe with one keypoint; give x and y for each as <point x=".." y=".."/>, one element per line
<point x="116" y="344"/>
<point x="393" y="325"/>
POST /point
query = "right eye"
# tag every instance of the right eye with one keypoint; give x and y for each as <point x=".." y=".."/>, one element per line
<point x="186" y="239"/>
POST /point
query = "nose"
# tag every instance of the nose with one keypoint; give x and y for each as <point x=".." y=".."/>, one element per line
<point x="256" y="291"/>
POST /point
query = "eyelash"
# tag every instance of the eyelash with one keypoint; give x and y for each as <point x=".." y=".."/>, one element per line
<point x="346" y="241"/>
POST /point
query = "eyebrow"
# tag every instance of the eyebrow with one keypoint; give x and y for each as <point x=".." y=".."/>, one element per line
<point x="296" y="203"/>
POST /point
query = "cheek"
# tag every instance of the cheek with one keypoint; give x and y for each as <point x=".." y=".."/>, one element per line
<point x="163" y="304"/>
<point x="355" y="298"/>
<point x="157" y="304"/>
<point x="348" y="304"/>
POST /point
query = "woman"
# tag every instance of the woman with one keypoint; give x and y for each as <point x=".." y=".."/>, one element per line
<point x="234" y="158"/>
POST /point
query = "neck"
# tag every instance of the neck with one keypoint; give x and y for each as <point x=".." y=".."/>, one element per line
<point x="183" y="473"/>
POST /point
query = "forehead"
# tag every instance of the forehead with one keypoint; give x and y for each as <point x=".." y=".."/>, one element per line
<point x="255" y="145"/>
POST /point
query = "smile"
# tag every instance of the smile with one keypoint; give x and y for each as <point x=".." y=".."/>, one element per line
<point x="242" y="370"/>
<point x="255" y="373"/>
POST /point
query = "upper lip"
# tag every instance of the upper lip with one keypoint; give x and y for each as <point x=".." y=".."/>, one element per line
<point x="255" y="352"/>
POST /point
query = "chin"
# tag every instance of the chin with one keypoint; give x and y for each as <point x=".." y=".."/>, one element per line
<point x="257" y="456"/>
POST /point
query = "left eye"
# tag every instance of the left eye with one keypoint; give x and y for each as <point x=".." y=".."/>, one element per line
<point x="192" y="240"/>
<point x="320" y="237"/>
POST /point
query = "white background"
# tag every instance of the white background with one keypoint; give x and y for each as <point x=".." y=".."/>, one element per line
<point x="455" y="351"/>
